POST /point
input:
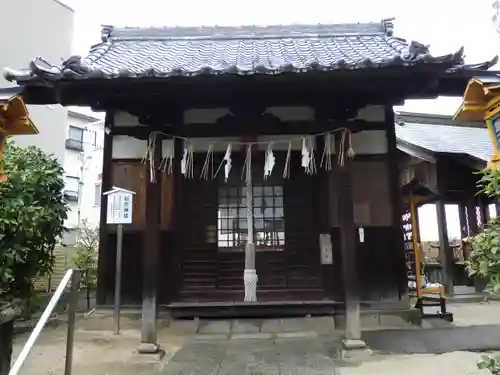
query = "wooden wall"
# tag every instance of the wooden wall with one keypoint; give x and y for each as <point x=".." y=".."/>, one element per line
<point x="132" y="174"/>
<point x="310" y="209"/>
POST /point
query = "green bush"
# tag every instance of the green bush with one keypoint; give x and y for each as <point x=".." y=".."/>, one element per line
<point x="86" y="256"/>
<point x="32" y="214"/>
<point x="492" y="363"/>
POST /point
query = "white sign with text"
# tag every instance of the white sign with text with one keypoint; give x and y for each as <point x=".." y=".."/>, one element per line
<point x="119" y="206"/>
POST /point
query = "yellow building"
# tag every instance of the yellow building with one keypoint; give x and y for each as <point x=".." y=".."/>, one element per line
<point x="14" y="120"/>
<point x="482" y="103"/>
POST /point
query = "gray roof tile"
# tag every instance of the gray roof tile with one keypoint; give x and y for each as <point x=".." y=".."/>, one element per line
<point x="472" y="141"/>
<point x="245" y="50"/>
<point x="253" y="49"/>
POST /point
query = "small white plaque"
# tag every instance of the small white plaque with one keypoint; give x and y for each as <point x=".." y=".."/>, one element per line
<point x="361" y="232"/>
<point x="119" y="206"/>
<point x="325" y="245"/>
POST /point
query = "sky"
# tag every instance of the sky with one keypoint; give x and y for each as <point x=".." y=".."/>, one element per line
<point x="445" y="25"/>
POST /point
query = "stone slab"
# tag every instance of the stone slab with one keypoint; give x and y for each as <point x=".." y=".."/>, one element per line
<point x="246" y="326"/>
<point x="250" y="357"/>
<point x="258" y="335"/>
<point x="355" y="356"/>
<point x="392" y="320"/>
<point x="184" y="326"/>
<point x="321" y="325"/>
<point x="256" y="356"/>
<point x="293" y="324"/>
<point x="211" y="337"/>
<point x="271" y="326"/>
<point x="304" y="357"/>
<point x="214" y="327"/>
<point x="303" y="334"/>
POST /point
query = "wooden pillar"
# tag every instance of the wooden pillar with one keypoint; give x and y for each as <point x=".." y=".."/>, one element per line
<point x="178" y="217"/>
<point x="464" y="232"/>
<point x="321" y="219"/>
<point x="348" y="244"/>
<point x="471" y="215"/>
<point x="6" y="338"/>
<point x="150" y="258"/>
<point x="485" y="212"/>
<point x="397" y="206"/>
<point x="445" y="251"/>
<point x="104" y="288"/>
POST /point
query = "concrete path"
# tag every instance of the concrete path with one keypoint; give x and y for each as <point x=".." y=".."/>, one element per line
<point x="279" y="356"/>
<point x="456" y="363"/>
<point x="435" y="341"/>
<point x="320" y="354"/>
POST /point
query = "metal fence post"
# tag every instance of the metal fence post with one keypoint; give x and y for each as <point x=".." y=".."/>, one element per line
<point x="70" y="336"/>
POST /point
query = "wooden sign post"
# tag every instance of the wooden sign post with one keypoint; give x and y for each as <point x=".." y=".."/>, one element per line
<point x="119" y="211"/>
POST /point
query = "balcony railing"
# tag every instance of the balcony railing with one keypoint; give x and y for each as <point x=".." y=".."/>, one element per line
<point x="73" y="144"/>
<point x="71" y="195"/>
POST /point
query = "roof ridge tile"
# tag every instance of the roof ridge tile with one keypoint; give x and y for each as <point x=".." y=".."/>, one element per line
<point x="385" y="27"/>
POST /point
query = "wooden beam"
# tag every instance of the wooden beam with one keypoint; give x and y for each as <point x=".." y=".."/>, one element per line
<point x="416" y="151"/>
<point x="151" y="260"/>
<point x="241" y="127"/>
<point x="419" y="81"/>
<point x="103" y="295"/>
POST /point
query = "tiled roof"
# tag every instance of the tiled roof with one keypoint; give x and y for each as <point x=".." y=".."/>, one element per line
<point x="436" y="138"/>
<point x="245" y="50"/>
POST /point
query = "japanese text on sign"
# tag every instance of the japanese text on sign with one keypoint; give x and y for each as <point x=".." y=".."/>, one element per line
<point x="119" y="208"/>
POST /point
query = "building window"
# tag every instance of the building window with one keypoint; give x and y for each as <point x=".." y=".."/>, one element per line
<point x="72" y="188"/>
<point x="97" y="194"/>
<point x="75" y="139"/>
<point x="268" y="218"/>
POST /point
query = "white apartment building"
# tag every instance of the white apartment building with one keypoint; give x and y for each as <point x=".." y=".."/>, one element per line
<point x="38" y="28"/>
<point x="83" y="168"/>
<point x="72" y="136"/>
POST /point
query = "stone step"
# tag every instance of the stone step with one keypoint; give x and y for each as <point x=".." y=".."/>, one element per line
<point x="238" y="327"/>
<point x="381" y="320"/>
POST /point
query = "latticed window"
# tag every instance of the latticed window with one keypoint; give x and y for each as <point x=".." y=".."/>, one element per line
<point x="268" y="218"/>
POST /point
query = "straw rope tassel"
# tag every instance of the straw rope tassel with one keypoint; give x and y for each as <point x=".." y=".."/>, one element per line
<point x="308" y="160"/>
<point x="190" y="162"/>
<point x="350" y="151"/>
<point x="247" y="164"/>
<point x="326" y="158"/>
<point x="149" y="156"/>
<point x="208" y="162"/>
<point x="166" y="164"/>
<point x="340" y="158"/>
<point x="286" y="170"/>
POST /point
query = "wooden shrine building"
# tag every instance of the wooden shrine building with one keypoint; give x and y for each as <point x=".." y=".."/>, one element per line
<point x="438" y="158"/>
<point x="297" y="119"/>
